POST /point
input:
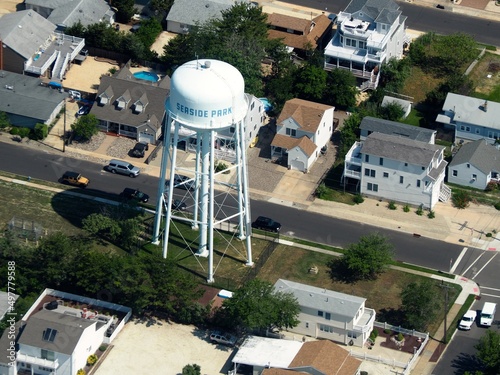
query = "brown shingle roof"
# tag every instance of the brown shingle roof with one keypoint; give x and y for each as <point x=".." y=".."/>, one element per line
<point x="288" y="143"/>
<point x="302" y="26"/>
<point x="307" y="114"/>
<point x="327" y="357"/>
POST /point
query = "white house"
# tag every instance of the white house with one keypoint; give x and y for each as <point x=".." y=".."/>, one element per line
<point x="475" y="165"/>
<point x="398" y="169"/>
<point x="371" y="125"/>
<point x="369" y="33"/>
<point x="302" y="130"/>
<point x="472" y="118"/>
<point x="59" y="332"/>
<point x="330" y="315"/>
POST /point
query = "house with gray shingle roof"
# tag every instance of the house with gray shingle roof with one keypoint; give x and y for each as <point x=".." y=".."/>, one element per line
<point x="371" y="125"/>
<point x="26" y="102"/>
<point x="369" y="33"/>
<point x="330" y="315"/>
<point x="475" y="165"/>
<point x="66" y="13"/>
<point x="33" y="46"/>
<point x="471" y="118"/>
<point x="303" y="128"/>
<point x="397" y="168"/>
<point x="184" y="14"/>
<point x="131" y="107"/>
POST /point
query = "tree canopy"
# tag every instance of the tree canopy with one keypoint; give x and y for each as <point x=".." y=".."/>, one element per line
<point x="488" y="352"/>
<point x="85" y="126"/>
<point x="420" y="303"/>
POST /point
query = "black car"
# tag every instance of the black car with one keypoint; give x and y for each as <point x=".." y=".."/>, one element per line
<point x="134" y="194"/>
<point x="178" y="205"/>
<point x="140" y="149"/>
<point x="182" y="182"/>
<point x="267" y="224"/>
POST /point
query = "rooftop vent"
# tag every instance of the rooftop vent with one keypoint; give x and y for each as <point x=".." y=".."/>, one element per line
<point x="485" y="106"/>
<point x="207" y="64"/>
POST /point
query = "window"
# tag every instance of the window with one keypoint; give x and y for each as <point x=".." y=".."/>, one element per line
<point x="490" y="134"/>
<point x="49" y="335"/>
<point x="386" y="174"/>
<point x="369" y="172"/>
<point x="367" y="158"/>
<point x="418" y="183"/>
<point x="352" y="335"/>
<point x="48" y="355"/>
<point x="406" y="164"/>
<point x="328" y="316"/>
<point x="324" y="328"/>
<point x="307" y="324"/>
<point x="462" y="127"/>
<point x="372" y="187"/>
<point x="474" y="176"/>
<point x="401" y="179"/>
<point x="291" y="132"/>
<point x="455" y="173"/>
<point x="320" y="313"/>
<point x="381" y="161"/>
<point x="467" y="128"/>
<point x="477" y="130"/>
<point x="468" y="165"/>
<point x="426" y="183"/>
<point x="253" y="105"/>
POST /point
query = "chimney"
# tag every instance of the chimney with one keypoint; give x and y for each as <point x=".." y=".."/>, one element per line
<point x="485" y="106"/>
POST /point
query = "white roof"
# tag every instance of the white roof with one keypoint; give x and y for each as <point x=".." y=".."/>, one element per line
<point x="263" y="351"/>
<point x="471" y="110"/>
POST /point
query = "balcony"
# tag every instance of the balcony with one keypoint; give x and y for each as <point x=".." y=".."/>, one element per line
<point x="365" y="323"/>
<point x="32" y="360"/>
<point x="353" y="157"/>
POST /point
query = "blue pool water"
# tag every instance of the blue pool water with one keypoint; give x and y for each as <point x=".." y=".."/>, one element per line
<point x="267" y="105"/>
<point x="147" y="76"/>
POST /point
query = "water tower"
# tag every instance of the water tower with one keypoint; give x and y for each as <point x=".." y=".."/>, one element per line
<point x="206" y="98"/>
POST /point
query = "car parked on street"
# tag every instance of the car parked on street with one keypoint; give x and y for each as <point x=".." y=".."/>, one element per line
<point x="123" y="167"/>
<point x="178" y="205"/>
<point x="182" y="182"/>
<point x="140" y="149"/>
<point x="468" y="320"/>
<point x="267" y="224"/>
<point x="223" y="338"/>
<point x="134" y="194"/>
<point x="75" y="179"/>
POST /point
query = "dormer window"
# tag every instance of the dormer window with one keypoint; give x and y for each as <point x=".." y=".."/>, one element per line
<point x="103" y="100"/>
<point x="49" y="335"/>
<point x="120" y="104"/>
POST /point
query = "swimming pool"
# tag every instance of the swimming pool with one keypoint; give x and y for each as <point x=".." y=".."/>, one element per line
<point x="147" y="76"/>
<point x="267" y="105"/>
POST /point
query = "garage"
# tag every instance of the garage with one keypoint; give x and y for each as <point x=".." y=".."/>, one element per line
<point x="298" y="165"/>
<point x="149" y="138"/>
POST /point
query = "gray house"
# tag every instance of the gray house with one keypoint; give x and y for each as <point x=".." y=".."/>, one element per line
<point x="65" y="13"/>
<point x="31" y="45"/>
<point x="26" y="102"/>
<point x="475" y="165"/>
<point x="471" y="118"/>
<point x="371" y="125"/>
<point x="184" y="14"/>
<point x="330" y="315"/>
<point x="131" y="107"/>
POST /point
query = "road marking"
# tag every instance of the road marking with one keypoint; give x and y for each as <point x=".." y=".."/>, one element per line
<point x="485" y="287"/>
<point x="479" y="257"/>
<point x="490" y="295"/>
<point x="458" y="260"/>
<point x="482" y="268"/>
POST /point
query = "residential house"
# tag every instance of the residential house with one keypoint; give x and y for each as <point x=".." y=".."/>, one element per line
<point x="66" y="13"/>
<point x="185" y="14"/>
<point x="299" y="34"/>
<point x="472" y="118"/>
<point x="31" y="45"/>
<point x="280" y="357"/>
<point x="330" y="315"/>
<point x="475" y="165"/>
<point x="398" y="169"/>
<point x="59" y="332"/>
<point x="404" y="104"/>
<point x="7" y="301"/>
<point x="225" y="138"/>
<point x="131" y="107"/>
<point x="369" y="33"/>
<point x="27" y="102"/>
<point x="304" y="128"/>
<point x="371" y="125"/>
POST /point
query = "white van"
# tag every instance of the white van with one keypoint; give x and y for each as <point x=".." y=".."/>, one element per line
<point x="487" y="314"/>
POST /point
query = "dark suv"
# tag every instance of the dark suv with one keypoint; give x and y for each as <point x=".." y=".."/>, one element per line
<point x="182" y="182"/>
<point x="134" y="194"/>
<point x="140" y="149"/>
<point x="267" y="224"/>
<point x="75" y="179"/>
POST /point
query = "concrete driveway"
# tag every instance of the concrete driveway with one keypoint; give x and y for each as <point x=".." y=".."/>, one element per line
<point x="158" y="347"/>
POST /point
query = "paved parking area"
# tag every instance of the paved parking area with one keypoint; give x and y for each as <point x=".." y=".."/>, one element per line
<point x="158" y="347"/>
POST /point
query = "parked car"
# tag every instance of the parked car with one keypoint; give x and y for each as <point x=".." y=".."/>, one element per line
<point x="75" y="94"/>
<point x="134" y="194"/>
<point x="178" y="205"/>
<point x="468" y="320"/>
<point x="123" y="167"/>
<point x="267" y="224"/>
<point x="75" y="179"/>
<point x="223" y="338"/>
<point x="140" y="149"/>
<point x="183" y="182"/>
<point x="84" y="110"/>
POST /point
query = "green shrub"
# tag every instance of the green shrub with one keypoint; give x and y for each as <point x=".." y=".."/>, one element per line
<point x="80" y="372"/>
<point x="14" y="130"/>
<point x="40" y="132"/>
<point x="358" y="198"/>
<point x="103" y="347"/>
<point x="461" y="199"/>
<point x="91" y="360"/>
<point x="400" y="337"/>
<point x="387" y="331"/>
<point x="391" y="205"/>
<point x="321" y="191"/>
<point x="492" y="186"/>
<point x="373" y="335"/>
<point x="406" y="208"/>
<point x="431" y="214"/>
<point x="489" y="235"/>
<point x="497" y="206"/>
<point x="420" y="211"/>
<point x="24" y="132"/>
<point x="220" y="166"/>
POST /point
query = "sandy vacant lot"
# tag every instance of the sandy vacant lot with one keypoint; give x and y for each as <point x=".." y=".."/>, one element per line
<point x="8" y="6"/>
<point x="163" y="348"/>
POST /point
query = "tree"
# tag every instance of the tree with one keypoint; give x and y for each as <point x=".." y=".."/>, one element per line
<point x="420" y="303"/>
<point x="256" y="306"/>
<point x="394" y="74"/>
<point x="367" y="258"/>
<point x="348" y="134"/>
<point x="86" y="126"/>
<point x="4" y="120"/>
<point x="391" y="111"/>
<point x="310" y="83"/>
<point x="454" y="51"/>
<point x="340" y="89"/>
<point x="125" y="10"/>
<point x="149" y="31"/>
<point x="191" y="370"/>
<point x="162" y="6"/>
<point x="489" y="352"/>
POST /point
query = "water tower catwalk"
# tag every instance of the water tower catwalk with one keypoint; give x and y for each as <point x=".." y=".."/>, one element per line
<point x="206" y="113"/>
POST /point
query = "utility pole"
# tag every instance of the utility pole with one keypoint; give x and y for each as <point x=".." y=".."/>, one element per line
<point x="64" y="129"/>
<point x="446" y="288"/>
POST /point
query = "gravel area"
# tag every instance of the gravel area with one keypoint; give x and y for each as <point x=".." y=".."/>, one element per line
<point x="92" y="145"/>
<point x="121" y="147"/>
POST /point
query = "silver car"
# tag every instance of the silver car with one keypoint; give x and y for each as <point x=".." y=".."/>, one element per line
<point x="123" y="167"/>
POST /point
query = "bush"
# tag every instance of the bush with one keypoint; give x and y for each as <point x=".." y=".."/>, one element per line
<point x="373" y="335"/>
<point x="103" y="347"/>
<point x="220" y="166"/>
<point x="492" y="186"/>
<point x="431" y="214"/>
<point x="40" y="132"/>
<point x="14" y="131"/>
<point x="358" y="198"/>
<point x="387" y="331"/>
<point x="321" y="191"/>
<point x="80" y="372"/>
<point x="400" y="337"/>
<point x="391" y="205"/>
<point x="461" y="199"/>
<point x="420" y="211"/>
<point x="489" y="235"/>
<point x="497" y="206"/>
<point x="91" y="360"/>
<point x="406" y="208"/>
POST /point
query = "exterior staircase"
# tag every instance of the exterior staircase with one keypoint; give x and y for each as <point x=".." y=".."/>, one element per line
<point x="444" y="193"/>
